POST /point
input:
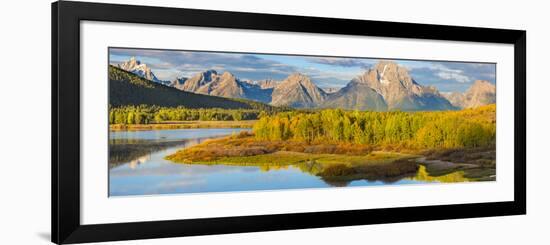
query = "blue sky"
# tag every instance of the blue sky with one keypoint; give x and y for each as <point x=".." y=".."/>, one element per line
<point x="324" y="71"/>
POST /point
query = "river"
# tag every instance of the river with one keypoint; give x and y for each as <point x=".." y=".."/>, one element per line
<point x="137" y="167"/>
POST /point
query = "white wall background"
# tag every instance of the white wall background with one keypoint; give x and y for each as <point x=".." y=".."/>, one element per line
<point x="25" y="122"/>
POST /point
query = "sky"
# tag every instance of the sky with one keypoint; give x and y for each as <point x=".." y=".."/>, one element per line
<point x="326" y="72"/>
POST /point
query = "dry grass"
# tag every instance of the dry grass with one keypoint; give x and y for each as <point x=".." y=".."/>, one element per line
<point x="482" y="156"/>
<point x="244" y="145"/>
<point x="334" y="163"/>
<point x="396" y="168"/>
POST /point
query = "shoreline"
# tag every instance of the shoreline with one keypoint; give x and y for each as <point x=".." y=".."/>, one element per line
<point x="341" y="161"/>
<point x="182" y="125"/>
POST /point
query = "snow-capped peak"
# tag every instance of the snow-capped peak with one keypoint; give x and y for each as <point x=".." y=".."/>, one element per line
<point x="141" y="69"/>
<point x="382" y="79"/>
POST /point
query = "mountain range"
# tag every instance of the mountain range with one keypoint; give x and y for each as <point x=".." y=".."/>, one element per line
<point x="480" y="93"/>
<point x="127" y="88"/>
<point x="385" y="86"/>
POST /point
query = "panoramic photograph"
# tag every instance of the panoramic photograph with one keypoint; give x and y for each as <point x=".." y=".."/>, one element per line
<point x="185" y="121"/>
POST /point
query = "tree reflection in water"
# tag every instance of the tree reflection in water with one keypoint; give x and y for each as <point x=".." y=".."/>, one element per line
<point x="137" y="151"/>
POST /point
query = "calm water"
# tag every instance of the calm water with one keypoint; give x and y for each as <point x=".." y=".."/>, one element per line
<point x="137" y="167"/>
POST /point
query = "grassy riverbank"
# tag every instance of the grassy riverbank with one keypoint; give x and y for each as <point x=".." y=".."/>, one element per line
<point x="476" y="163"/>
<point x="339" y="145"/>
<point x="332" y="162"/>
<point x="339" y="163"/>
<point x="183" y="125"/>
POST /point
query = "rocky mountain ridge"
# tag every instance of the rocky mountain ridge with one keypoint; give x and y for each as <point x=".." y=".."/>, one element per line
<point x="297" y="90"/>
<point x="399" y="90"/>
<point x="141" y="69"/>
<point x="482" y="92"/>
<point x="385" y="86"/>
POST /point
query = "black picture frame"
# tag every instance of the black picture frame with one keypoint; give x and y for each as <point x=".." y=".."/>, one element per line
<point x="65" y="169"/>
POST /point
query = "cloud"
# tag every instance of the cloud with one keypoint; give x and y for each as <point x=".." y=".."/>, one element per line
<point x="474" y="71"/>
<point x="162" y="65"/>
<point x="451" y="76"/>
<point x="343" y="62"/>
<point x="457" y="76"/>
<point x="324" y="71"/>
<point x="186" y="63"/>
<point x="447" y="73"/>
